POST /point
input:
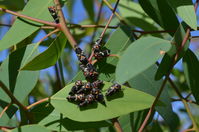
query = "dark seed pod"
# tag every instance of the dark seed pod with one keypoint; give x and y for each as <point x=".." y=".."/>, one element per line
<point x="113" y="89"/>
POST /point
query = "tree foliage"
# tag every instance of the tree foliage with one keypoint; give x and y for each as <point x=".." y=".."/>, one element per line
<point x="118" y="68"/>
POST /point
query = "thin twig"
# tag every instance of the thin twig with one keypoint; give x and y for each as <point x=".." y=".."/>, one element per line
<point x="153" y="106"/>
<point x="109" y="20"/>
<point x="29" y="18"/>
<point x="4" y="110"/>
<point x="103" y="32"/>
<point x="12" y="97"/>
<point x="184" y="101"/>
<point x="195" y="127"/>
<point x="49" y="34"/>
<point x="117" y="125"/>
<point x="6" y="25"/>
<point x="111" y="8"/>
<point x="189" y="101"/>
<point x="97" y="21"/>
<point x="36" y="103"/>
<point x="15" y="101"/>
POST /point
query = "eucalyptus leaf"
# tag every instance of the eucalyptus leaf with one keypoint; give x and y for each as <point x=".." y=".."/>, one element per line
<point x="139" y="56"/>
<point x="185" y="9"/>
<point x="31" y="128"/>
<point x="23" y="28"/>
<point x="130" y="99"/>
<point x="14" y="6"/>
<point x="20" y="83"/>
<point x="161" y="12"/>
<point x="135" y="15"/>
<point x="191" y="71"/>
<point x="45" y="115"/>
<point x="49" y="57"/>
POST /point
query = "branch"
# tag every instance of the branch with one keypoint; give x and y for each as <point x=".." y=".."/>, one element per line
<point x="63" y="26"/>
<point x="4" y="110"/>
<point x="49" y="34"/>
<point x="29" y="18"/>
<point x="117" y="125"/>
<point x="6" y="25"/>
<point x="36" y="103"/>
<point x="111" y="8"/>
<point x="15" y="101"/>
<point x="12" y="97"/>
<point x="110" y="18"/>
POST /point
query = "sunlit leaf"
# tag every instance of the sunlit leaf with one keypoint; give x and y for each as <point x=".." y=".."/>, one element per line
<point x="23" y="28"/>
<point x="185" y="9"/>
<point x="139" y="56"/>
<point x="49" y="57"/>
<point x="130" y="99"/>
<point x="45" y="115"/>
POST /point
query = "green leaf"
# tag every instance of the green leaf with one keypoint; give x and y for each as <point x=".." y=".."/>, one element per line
<point x="191" y="71"/>
<point x="14" y="6"/>
<point x="161" y="12"/>
<point x="49" y="57"/>
<point x="20" y="83"/>
<point x="118" y="41"/>
<point x="139" y="56"/>
<point x="31" y="128"/>
<point x="130" y="99"/>
<point x="89" y="7"/>
<point x="167" y="60"/>
<point x="145" y="82"/>
<point x="185" y="9"/>
<point x="23" y="28"/>
<point x="45" y="115"/>
<point x="135" y="15"/>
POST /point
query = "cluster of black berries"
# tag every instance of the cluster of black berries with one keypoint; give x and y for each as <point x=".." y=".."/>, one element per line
<point x="53" y="13"/>
<point x="88" y="69"/>
<point x="98" y="52"/>
<point x="86" y="93"/>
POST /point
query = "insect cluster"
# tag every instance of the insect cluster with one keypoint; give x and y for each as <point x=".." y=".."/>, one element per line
<point x="98" y="52"/>
<point x="53" y="13"/>
<point x="87" y="93"/>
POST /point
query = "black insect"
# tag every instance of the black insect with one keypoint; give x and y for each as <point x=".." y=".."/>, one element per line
<point x="80" y="54"/>
<point x="113" y="89"/>
<point x="88" y="100"/>
<point x="97" y="83"/>
<point x="78" y="86"/>
<point x="85" y="88"/>
<point x="76" y="97"/>
<point x="53" y="13"/>
<point x="101" y="54"/>
<point x="100" y="97"/>
<point x="89" y="71"/>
